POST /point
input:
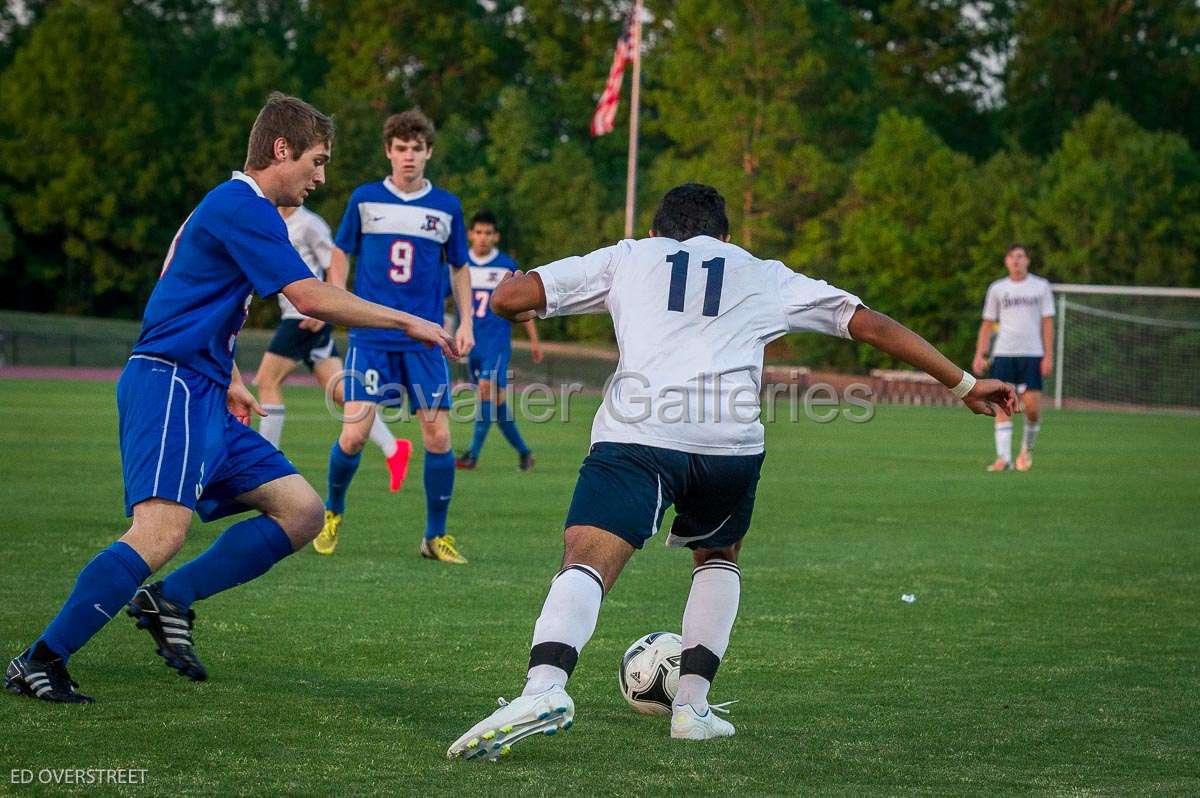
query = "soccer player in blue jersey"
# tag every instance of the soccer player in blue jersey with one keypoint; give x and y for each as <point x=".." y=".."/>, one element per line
<point x="402" y="231"/>
<point x="299" y="339"/>
<point x="493" y="342"/>
<point x="184" y="412"/>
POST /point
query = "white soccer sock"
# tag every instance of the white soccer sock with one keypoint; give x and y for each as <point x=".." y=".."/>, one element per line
<point x="1004" y="441"/>
<point x="382" y="437"/>
<point x="566" y="624"/>
<point x="271" y="425"/>
<point x="712" y="606"/>
<point x="1029" y="435"/>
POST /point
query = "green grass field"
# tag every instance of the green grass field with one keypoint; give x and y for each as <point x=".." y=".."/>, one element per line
<point x="1052" y="648"/>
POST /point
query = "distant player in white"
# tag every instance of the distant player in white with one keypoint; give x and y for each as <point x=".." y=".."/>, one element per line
<point x="679" y="425"/>
<point x="1022" y="307"/>
<point x="299" y="339"/>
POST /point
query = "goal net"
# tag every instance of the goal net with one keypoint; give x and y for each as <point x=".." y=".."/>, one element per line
<point x="1127" y="348"/>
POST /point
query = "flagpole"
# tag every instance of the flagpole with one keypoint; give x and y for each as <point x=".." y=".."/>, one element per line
<point x="634" y="107"/>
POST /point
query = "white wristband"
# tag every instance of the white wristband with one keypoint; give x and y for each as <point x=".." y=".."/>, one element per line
<point x="964" y="386"/>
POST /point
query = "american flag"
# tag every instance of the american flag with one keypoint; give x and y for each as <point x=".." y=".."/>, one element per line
<point x="606" y="109"/>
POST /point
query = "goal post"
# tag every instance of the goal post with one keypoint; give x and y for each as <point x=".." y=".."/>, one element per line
<point x="1127" y="347"/>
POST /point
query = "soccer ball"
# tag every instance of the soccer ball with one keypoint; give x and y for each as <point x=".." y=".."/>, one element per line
<point x="649" y="672"/>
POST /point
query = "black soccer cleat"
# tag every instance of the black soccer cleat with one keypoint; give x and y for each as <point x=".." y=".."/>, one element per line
<point x="465" y="462"/>
<point x="40" y="673"/>
<point x="171" y="628"/>
<point x="527" y="462"/>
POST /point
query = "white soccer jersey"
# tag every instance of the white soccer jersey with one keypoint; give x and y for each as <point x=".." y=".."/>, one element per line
<point x="1020" y="308"/>
<point x="312" y="239"/>
<point x="692" y="320"/>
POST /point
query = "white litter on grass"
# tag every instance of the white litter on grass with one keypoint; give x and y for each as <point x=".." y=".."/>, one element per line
<point x="909" y="598"/>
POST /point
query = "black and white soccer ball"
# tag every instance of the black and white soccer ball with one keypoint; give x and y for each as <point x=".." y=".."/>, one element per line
<point x="649" y="672"/>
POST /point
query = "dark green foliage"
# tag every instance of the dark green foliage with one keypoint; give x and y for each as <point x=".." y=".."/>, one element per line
<point x="895" y="146"/>
<point x="938" y="60"/>
<point x="1141" y="56"/>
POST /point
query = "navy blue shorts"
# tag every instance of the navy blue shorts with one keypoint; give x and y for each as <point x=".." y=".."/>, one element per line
<point x="490" y="365"/>
<point x="180" y="442"/>
<point x="626" y="488"/>
<point x="376" y="375"/>
<point x="309" y="348"/>
<point x="1023" y="372"/>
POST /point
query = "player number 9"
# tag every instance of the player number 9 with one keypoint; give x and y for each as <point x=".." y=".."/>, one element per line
<point x="402" y="259"/>
<point x="371" y="382"/>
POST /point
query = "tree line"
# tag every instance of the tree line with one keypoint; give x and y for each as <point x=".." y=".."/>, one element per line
<point x="893" y="147"/>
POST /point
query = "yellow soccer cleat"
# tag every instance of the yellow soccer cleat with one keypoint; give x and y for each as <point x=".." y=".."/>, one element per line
<point x="326" y="542"/>
<point x="442" y="549"/>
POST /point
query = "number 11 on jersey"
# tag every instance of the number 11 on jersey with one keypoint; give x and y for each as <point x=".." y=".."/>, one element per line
<point x="712" y="288"/>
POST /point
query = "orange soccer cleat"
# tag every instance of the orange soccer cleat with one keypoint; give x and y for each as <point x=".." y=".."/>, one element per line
<point x="1024" y="461"/>
<point x="1000" y="465"/>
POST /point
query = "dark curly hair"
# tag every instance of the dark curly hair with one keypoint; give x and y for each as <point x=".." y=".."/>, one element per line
<point x="692" y="209"/>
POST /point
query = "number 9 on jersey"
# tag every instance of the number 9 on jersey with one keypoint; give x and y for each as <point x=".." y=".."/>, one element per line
<point x="402" y="260"/>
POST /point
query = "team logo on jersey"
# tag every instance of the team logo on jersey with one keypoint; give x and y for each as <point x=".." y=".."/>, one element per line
<point x="431" y="223"/>
<point x="1013" y="301"/>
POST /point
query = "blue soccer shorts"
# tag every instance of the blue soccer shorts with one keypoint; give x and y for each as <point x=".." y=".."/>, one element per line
<point x="309" y="348"/>
<point x="490" y="365"/>
<point x="626" y="488"/>
<point x="1023" y="372"/>
<point x="180" y="442"/>
<point x="375" y="375"/>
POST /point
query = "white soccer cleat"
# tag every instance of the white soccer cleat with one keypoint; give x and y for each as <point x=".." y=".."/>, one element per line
<point x="687" y="725"/>
<point x="493" y="737"/>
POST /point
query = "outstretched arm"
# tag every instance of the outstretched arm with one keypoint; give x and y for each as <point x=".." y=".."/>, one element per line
<point x="338" y="306"/>
<point x="336" y="273"/>
<point x="888" y="335"/>
<point x="519" y="297"/>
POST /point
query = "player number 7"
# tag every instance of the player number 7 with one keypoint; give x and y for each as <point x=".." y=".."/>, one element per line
<point x="481" y="303"/>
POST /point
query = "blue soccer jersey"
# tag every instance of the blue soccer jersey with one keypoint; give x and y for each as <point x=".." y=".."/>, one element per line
<point x="492" y="333"/>
<point x="402" y="243"/>
<point x="233" y="243"/>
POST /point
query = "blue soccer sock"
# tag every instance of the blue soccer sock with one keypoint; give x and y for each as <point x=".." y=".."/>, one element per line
<point x="439" y="487"/>
<point x="341" y="471"/>
<point x="483" y="422"/>
<point x="104" y="587"/>
<point x="508" y="427"/>
<point x="246" y="550"/>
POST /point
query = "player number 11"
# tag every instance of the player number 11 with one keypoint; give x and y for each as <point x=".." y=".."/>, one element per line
<point x="712" y="288"/>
